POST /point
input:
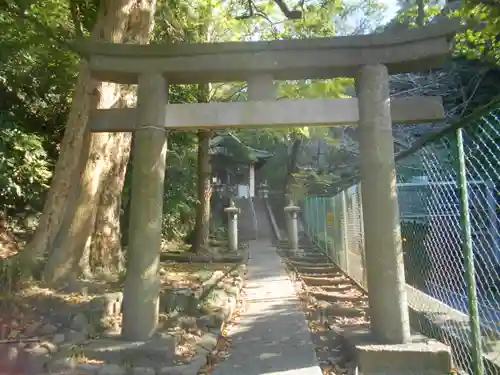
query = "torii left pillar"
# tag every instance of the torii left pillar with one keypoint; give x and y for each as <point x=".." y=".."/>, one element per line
<point x="142" y="284"/>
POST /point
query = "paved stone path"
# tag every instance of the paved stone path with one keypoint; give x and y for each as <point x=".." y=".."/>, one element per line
<point x="271" y="337"/>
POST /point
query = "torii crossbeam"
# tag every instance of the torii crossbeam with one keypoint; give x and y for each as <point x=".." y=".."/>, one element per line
<point x="282" y="113"/>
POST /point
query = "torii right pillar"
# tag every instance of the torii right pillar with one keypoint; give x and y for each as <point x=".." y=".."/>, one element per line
<point x="383" y="248"/>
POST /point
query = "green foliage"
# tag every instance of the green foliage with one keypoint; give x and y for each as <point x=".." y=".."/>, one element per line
<point x="317" y="21"/>
<point x="36" y="78"/>
<point x="24" y="169"/>
<point x="36" y="69"/>
<point x="180" y="188"/>
<point x="409" y="17"/>
<point x="481" y="39"/>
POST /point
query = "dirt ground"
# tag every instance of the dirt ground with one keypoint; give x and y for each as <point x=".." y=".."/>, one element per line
<point x="24" y="312"/>
<point x="36" y="318"/>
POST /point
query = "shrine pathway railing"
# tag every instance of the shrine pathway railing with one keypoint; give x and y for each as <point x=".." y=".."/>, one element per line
<point x="449" y="196"/>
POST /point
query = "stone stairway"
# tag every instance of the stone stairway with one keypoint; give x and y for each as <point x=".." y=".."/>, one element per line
<point x="253" y="222"/>
<point x="246" y="220"/>
<point x="264" y="229"/>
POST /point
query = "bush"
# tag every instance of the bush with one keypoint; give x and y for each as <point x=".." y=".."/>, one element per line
<point x="24" y="169"/>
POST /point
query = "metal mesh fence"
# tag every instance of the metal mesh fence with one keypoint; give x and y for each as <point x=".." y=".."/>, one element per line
<point x="335" y="224"/>
<point x="434" y="238"/>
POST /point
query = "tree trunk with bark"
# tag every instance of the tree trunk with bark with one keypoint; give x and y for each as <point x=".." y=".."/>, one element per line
<point x="85" y="97"/>
<point x="420" y="13"/>
<point x="292" y="164"/>
<point x="204" y="191"/>
<point x="103" y="159"/>
<point x="105" y="245"/>
<point x="202" y="228"/>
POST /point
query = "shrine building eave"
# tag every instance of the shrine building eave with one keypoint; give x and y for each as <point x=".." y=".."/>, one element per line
<point x="228" y="146"/>
<point x="410" y="50"/>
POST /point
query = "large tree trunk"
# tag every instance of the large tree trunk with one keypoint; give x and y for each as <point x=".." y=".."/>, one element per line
<point x="202" y="228"/>
<point x="105" y="244"/>
<point x="70" y="243"/>
<point x="88" y="94"/>
<point x="204" y="187"/>
<point x="292" y="164"/>
<point x="105" y="251"/>
<point x="102" y="251"/>
<point x="106" y="156"/>
<point x="85" y="97"/>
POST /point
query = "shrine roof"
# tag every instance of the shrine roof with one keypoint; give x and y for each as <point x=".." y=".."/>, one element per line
<point x="229" y="145"/>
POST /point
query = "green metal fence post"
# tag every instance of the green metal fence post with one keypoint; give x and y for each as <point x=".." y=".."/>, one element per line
<point x="321" y="222"/>
<point x="309" y="219"/>
<point x="331" y="231"/>
<point x="325" y="228"/>
<point x="362" y="235"/>
<point x="475" y="334"/>
<point x="343" y="253"/>
<point x="316" y="224"/>
<point x="305" y="214"/>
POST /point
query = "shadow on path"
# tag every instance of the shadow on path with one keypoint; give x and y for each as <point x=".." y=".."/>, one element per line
<point x="272" y="336"/>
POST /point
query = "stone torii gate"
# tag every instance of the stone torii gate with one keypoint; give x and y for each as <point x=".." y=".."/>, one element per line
<point x="370" y="59"/>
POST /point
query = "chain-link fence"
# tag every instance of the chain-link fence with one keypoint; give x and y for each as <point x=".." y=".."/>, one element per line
<point x="449" y="196"/>
<point x="335" y="224"/>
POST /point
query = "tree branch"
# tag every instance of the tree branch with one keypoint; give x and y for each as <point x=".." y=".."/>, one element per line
<point x="289" y="14"/>
<point x="75" y="17"/>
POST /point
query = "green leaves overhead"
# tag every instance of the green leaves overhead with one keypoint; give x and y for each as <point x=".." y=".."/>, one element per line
<point x="33" y="65"/>
<point x="480" y="39"/>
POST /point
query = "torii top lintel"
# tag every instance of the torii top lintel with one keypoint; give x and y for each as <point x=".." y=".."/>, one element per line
<point x="407" y="51"/>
